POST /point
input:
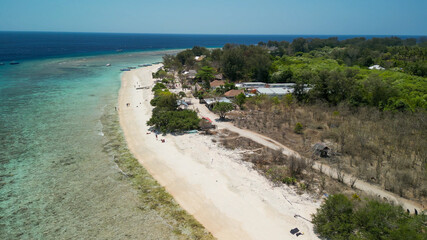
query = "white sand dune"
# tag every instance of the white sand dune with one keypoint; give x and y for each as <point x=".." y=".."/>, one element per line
<point x="223" y="193"/>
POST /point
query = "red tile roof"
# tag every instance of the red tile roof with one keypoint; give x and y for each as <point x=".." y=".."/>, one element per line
<point x="217" y="83"/>
<point x="233" y="93"/>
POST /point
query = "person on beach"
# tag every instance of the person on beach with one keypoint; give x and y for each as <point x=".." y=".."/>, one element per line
<point x="156" y="136"/>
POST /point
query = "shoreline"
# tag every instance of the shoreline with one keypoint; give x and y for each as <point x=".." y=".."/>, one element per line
<point x="228" y="197"/>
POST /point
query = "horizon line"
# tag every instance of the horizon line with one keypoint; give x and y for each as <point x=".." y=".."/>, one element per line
<point x="218" y="34"/>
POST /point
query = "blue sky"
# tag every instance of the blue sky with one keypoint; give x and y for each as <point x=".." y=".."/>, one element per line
<point x="372" y="17"/>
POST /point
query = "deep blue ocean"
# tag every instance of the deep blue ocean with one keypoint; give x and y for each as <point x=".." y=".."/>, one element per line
<point x="34" y="45"/>
<point x="58" y="179"/>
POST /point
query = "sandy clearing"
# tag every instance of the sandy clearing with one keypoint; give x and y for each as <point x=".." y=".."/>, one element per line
<point x="223" y="193"/>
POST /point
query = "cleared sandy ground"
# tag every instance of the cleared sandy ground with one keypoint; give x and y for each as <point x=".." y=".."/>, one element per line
<point x="223" y="193"/>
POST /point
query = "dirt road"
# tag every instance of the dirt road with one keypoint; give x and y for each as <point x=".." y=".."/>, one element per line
<point x="332" y="172"/>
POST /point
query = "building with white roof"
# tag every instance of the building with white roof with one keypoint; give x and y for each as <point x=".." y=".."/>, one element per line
<point x="376" y="67"/>
<point x="210" y="102"/>
<point x="253" y="84"/>
<point x="281" y="85"/>
<point x="274" y="91"/>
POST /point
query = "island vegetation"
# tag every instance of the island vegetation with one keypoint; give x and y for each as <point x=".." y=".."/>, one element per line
<point x="364" y="100"/>
<point x="373" y="119"/>
<point x="342" y="218"/>
<point x="338" y="70"/>
<point x="166" y="116"/>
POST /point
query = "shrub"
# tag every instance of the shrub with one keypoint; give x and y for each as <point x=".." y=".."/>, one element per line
<point x="303" y="186"/>
<point x="298" y="128"/>
<point x="289" y="180"/>
<point x="173" y="121"/>
<point x="334" y="218"/>
<point x="240" y="100"/>
<point x="165" y="100"/>
<point x="222" y="108"/>
<point x="339" y="218"/>
<point x="160" y="74"/>
<point x="158" y="86"/>
<point x="181" y="94"/>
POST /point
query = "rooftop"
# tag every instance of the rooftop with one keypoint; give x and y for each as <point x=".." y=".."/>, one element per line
<point x="210" y="101"/>
<point x="233" y="93"/>
<point x="217" y="83"/>
<point x="274" y="91"/>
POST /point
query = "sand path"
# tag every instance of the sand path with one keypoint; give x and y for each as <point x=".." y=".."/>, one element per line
<point x="223" y="193"/>
<point x="330" y="171"/>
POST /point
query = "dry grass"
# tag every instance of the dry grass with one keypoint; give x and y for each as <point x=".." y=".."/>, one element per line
<point x="388" y="149"/>
<point x="280" y="169"/>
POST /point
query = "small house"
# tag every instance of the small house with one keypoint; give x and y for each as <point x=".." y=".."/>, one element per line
<point x="197" y="87"/>
<point x="233" y="93"/>
<point x="199" y="58"/>
<point x="216" y="83"/>
<point x="321" y="150"/>
<point x="190" y="75"/>
<point x="219" y="76"/>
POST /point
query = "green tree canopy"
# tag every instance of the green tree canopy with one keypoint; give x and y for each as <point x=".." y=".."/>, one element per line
<point x="232" y="63"/>
<point x="334" y="218"/>
<point x="240" y="100"/>
<point x="206" y="74"/>
<point x="165" y="100"/>
<point x="198" y="51"/>
<point x="158" y="86"/>
<point x="340" y="218"/>
<point x="223" y="89"/>
<point x="186" y="57"/>
<point x="222" y="108"/>
<point x="174" y="121"/>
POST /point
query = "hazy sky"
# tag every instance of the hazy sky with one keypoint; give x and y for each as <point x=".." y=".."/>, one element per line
<point x="376" y="17"/>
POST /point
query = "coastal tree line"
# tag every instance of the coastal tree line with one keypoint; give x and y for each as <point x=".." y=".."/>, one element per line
<point x="337" y="70"/>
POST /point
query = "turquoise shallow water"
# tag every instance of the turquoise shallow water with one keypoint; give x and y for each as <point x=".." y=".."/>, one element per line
<point x="57" y="179"/>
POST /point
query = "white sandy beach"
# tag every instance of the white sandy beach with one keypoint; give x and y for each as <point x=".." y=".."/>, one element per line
<point x="223" y="193"/>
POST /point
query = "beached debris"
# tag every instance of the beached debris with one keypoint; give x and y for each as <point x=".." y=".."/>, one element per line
<point x="206" y="125"/>
<point x="295" y="230"/>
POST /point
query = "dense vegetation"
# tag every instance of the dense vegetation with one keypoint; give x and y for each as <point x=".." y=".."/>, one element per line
<point x="337" y="70"/>
<point x="166" y="116"/>
<point x="341" y="218"/>
<point x="334" y="83"/>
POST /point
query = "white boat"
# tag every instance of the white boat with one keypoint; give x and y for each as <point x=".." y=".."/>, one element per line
<point x="108" y="64"/>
